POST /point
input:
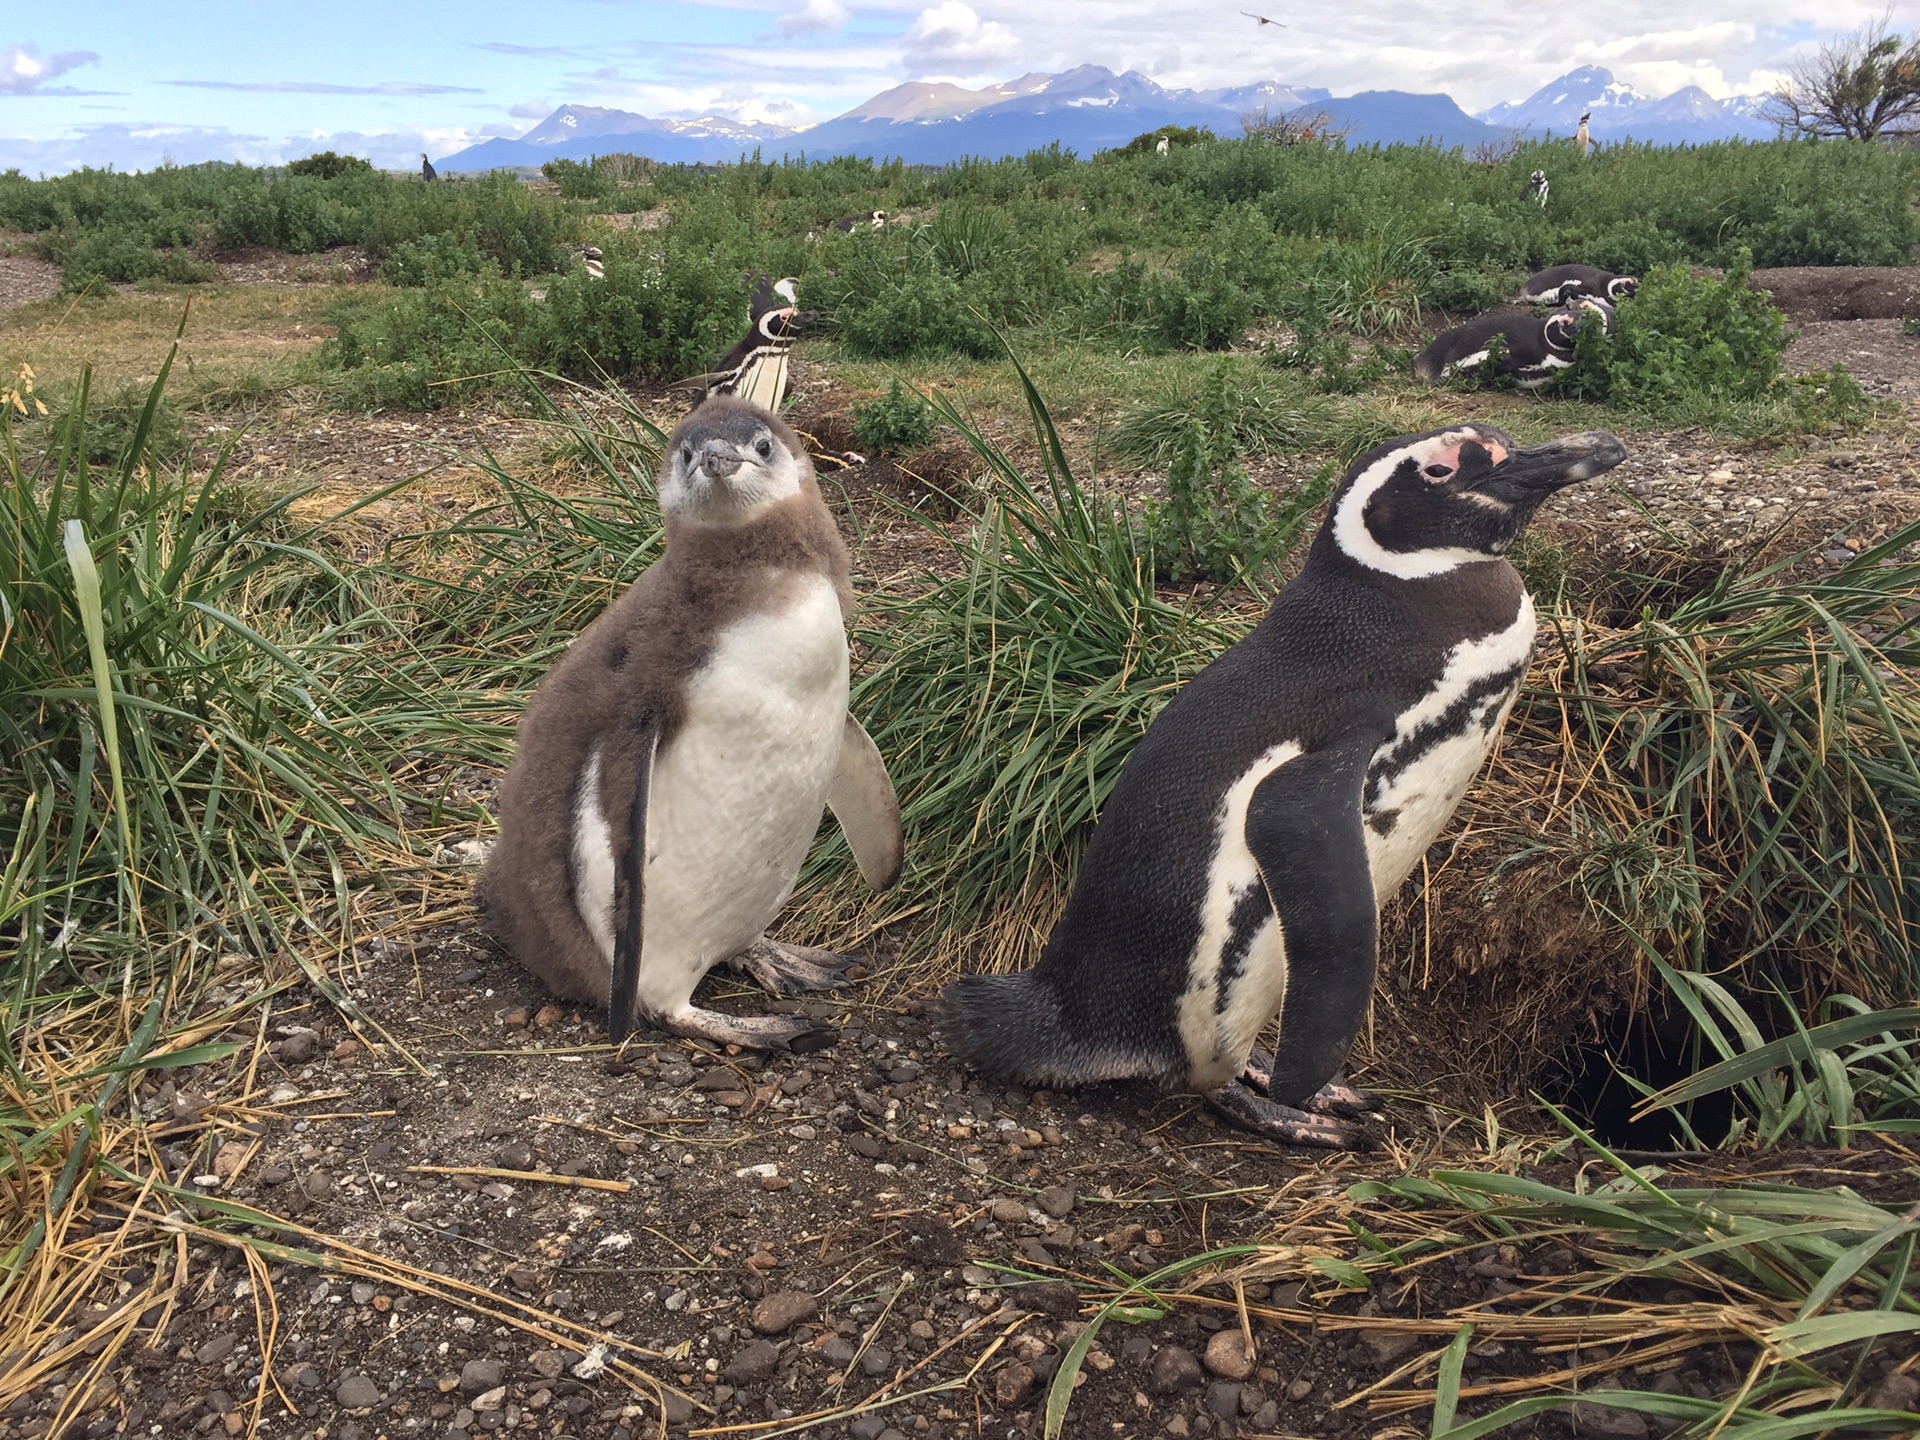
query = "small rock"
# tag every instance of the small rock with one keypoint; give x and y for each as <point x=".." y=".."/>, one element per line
<point x="214" y="1351"/>
<point x="675" y="1408"/>
<point x="1266" y="1418"/>
<point x="1008" y="1212"/>
<point x="1897" y="1392"/>
<point x="1223" y="1399"/>
<point x="877" y="1361"/>
<point x="488" y="1400"/>
<point x="1049" y="1297"/>
<point x="755" y="1362"/>
<point x="780" y="1312"/>
<point x="1137" y="1348"/>
<point x="479" y="1375"/>
<point x="1229" y="1356"/>
<point x="1056" y="1200"/>
<point x="517" y="1155"/>
<point x="547" y="1364"/>
<point x="357" y="1392"/>
<point x="298" y="1048"/>
<point x="346" y="1050"/>
<point x="548" y="1016"/>
<point x="1389" y="1345"/>
<point x="274" y="1174"/>
<point x="317" y="1184"/>
<point x="1299" y="1390"/>
<point x="1608" y="1422"/>
<point x="307" y="1378"/>
<point x="838" y="1351"/>
<point x="1174" y="1369"/>
<point x="1012" y="1385"/>
<point x="1178" y="1427"/>
<point x="862" y="1143"/>
<point x="227" y="1159"/>
<point x="361" y="1292"/>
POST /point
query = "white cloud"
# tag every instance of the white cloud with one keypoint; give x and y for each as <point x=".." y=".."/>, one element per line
<point x="533" y="109"/>
<point x="815" y="17"/>
<point x="25" y="71"/>
<point x="952" y="38"/>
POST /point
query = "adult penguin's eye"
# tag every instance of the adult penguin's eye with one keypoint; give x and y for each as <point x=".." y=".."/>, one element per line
<point x="1439" y="472"/>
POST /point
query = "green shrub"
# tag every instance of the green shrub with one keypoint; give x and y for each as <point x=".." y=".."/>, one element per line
<point x="897" y="423"/>
<point x="438" y="345"/>
<point x="434" y="257"/>
<point x="326" y="165"/>
<point x="659" y="317"/>
<point x="578" y="181"/>
<point x="1176" y="136"/>
<point x="893" y="310"/>
<point x="1215" y="523"/>
<point x="100" y="257"/>
<point x="1682" y="338"/>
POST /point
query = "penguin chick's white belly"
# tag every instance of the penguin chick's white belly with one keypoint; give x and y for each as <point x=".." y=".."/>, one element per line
<point x="737" y="795"/>
<point x="1416" y="780"/>
<point x="1237" y="978"/>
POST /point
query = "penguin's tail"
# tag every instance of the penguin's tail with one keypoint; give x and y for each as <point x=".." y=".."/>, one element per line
<point x="1012" y="1027"/>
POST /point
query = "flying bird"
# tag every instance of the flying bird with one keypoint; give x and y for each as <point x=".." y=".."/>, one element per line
<point x="1263" y="19"/>
<point x="427" y="172"/>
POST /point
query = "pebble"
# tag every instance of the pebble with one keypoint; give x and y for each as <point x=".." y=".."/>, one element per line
<point x="214" y="1351"/>
<point x="297" y="1049"/>
<point x="307" y="1378"/>
<point x="517" y="1155"/>
<point x="479" y="1375"/>
<point x="1228" y="1355"/>
<point x="1266" y="1418"/>
<point x="868" y="1427"/>
<point x="1008" y="1212"/>
<point x="1607" y="1421"/>
<point x="1223" y="1399"/>
<point x="862" y="1143"/>
<point x="488" y="1400"/>
<point x="877" y="1361"/>
<point x="547" y="1364"/>
<point x="1299" y="1390"/>
<point x="1174" y="1369"/>
<point x="781" y="1311"/>
<point x="1012" y="1384"/>
<point x="754" y="1362"/>
<point x="357" y="1392"/>
<point x="675" y="1408"/>
<point x="1389" y="1345"/>
<point x="1897" y="1392"/>
<point x="1056" y="1200"/>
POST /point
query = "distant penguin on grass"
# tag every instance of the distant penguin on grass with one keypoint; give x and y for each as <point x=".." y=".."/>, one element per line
<point x="1582" y="142"/>
<point x="1238" y="867"/>
<point x="1535" y="348"/>
<point x="672" y="768"/>
<point x="1162" y="146"/>
<point x="1561" y="283"/>
<point x="427" y="172"/>
<point x="1536" y="190"/>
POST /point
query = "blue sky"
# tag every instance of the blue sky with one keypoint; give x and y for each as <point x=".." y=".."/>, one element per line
<point x="131" y="84"/>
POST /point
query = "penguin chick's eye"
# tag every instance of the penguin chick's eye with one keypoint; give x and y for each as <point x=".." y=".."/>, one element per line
<point x="686" y="456"/>
<point x="763" y="447"/>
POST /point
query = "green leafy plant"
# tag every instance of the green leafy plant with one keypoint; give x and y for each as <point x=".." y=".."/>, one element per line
<point x="1215" y="523"/>
<point x="898" y="422"/>
<point x="325" y="165"/>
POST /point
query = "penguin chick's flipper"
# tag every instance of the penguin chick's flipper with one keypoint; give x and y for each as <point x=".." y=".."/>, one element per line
<point x="1332" y="1098"/>
<point x="788" y="970"/>
<point x="625" y="992"/>
<point x="1284" y="1123"/>
<point x="862" y="800"/>
<point x="752" y="1032"/>
<point x="1306" y="835"/>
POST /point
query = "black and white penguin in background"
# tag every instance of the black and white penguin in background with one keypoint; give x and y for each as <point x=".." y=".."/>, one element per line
<point x="1536" y="190"/>
<point x="672" y="768"/>
<point x="1238" y="867"/>
<point x="1535" y="348"/>
<point x="756" y="369"/>
<point x="1560" y="283"/>
<point x="1582" y="141"/>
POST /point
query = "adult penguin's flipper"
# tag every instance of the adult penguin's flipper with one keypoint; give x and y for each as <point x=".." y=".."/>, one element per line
<point x="862" y="800"/>
<point x="633" y="879"/>
<point x="1305" y="830"/>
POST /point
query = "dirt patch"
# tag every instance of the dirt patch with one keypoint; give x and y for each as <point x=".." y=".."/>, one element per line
<point x="1842" y="292"/>
<point x="257" y="265"/>
<point x="1880" y="354"/>
<point x="25" y="279"/>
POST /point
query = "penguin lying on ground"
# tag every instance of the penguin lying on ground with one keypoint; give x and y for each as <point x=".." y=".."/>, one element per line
<point x="756" y="368"/>
<point x="1536" y="188"/>
<point x="1564" y="282"/>
<point x="673" y="766"/>
<point x="1537" y="347"/>
<point x="594" y="261"/>
<point x="1238" y="867"/>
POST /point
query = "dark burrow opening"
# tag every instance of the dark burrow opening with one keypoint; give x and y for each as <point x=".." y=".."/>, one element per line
<point x="1589" y="1081"/>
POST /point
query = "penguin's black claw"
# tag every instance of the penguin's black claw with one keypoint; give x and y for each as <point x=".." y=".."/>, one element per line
<point x="784" y="971"/>
<point x="753" y="1032"/>
<point x="1334" y="1098"/>
<point x="1284" y="1123"/>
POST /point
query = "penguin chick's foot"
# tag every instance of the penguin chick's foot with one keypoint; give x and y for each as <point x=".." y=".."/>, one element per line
<point x="1284" y="1123"/>
<point x="788" y="970"/>
<point x="1332" y="1098"/>
<point x="754" y="1032"/>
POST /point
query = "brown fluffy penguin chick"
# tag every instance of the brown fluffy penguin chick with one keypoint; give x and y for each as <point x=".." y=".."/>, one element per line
<point x="705" y="711"/>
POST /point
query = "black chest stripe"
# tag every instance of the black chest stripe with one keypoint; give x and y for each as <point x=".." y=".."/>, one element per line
<point x="1478" y="704"/>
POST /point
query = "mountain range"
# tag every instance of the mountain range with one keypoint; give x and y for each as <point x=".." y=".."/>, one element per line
<point x="1091" y="108"/>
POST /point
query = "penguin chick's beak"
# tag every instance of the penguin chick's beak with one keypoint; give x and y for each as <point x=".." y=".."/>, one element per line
<point x="1527" y="476"/>
<point x="719" y="459"/>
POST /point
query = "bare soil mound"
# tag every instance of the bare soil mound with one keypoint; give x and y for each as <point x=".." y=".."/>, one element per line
<point x="1842" y="292"/>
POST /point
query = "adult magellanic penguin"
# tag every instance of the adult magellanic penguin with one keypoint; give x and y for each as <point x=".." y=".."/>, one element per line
<point x="756" y="368"/>
<point x="1238" y="866"/>
<point x="1537" y="188"/>
<point x="1535" y="348"/>
<point x="673" y="766"/>
<point x="1561" y="283"/>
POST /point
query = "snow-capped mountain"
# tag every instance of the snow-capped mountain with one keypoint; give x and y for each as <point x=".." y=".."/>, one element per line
<point x="1619" y="112"/>
<point x="1091" y="108"/>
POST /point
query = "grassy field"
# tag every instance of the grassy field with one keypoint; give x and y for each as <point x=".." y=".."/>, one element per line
<point x="281" y="562"/>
